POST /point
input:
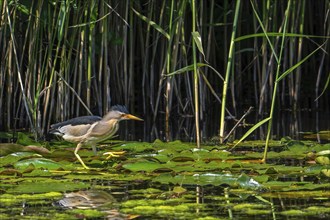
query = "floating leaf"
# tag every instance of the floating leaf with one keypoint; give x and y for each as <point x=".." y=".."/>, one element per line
<point x="174" y="145"/>
<point x="182" y="159"/>
<point x="38" y="163"/>
<point x="24" y="139"/>
<point x="209" y="179"/>
<point x="143" y="166"/>
<point x="135" y="147"/>
<point x="179" y="190"/>
<point x="9" y="199"/>
<point x="271" y="170"/>
<point x="323" y="160"/>
<point x="47" y="186"/>
<point x="326" y="172"/>
<point x="323" y="153"/>
<point x="8" y="148"/>
<point x="14" y="157"/>
<point x="248" y="182"/>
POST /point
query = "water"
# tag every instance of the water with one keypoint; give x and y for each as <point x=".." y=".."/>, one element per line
<point x="168" y="181"/>
<point x="157" y="201"/>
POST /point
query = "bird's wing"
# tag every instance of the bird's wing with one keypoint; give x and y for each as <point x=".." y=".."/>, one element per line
<point x="74" y="130"/>
<point x="104" y="129"/>
<point x="75" y="126"/>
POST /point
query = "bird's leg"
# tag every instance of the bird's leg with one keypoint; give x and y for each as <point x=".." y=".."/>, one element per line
<point x="114" y="154"/>
<point x="78" y="157"/>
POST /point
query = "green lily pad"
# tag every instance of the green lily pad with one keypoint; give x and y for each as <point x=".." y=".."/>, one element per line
<point x="175" y="145"/>
<point x="324" y="160"/>
<point x="8" y="148"/>
<point x="10" y="199"/>
<point x="135" y="147"/>
<point x="326" y="172"/>
<point x="48" y="186"/>
<point x="25" y="139"/>
<point x="209" y="179"/>
<point x="143" y="166"/>
<point x="14" y="157"/>
<point x="38" y="163"/>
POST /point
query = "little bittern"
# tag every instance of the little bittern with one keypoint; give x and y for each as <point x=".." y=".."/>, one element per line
<point x="89" y="130"/>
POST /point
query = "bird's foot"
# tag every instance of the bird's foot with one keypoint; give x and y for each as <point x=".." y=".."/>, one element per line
<point x="114" y="154"/>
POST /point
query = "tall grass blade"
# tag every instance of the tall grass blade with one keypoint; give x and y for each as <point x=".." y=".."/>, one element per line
<point x="252" y="129"/>
<point x="264" y="32"/>
<point x="191" y="68"/>
<point x="325" y="87"/>
<point x="276" y="34"/>
<point x="288" y="71"/>
<point x="153" y="24"/>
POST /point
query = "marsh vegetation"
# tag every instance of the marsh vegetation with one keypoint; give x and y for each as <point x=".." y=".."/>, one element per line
<point x="215" y="73"/>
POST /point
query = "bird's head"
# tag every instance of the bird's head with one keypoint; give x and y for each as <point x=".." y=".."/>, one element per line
<point x="120" y="113"/>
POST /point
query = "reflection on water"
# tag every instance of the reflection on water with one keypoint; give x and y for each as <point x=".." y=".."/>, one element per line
<point x="92" y="199"/>
<point x="87" y="199"/>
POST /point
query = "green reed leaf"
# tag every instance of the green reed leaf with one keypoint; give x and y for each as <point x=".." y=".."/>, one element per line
<point x="152" y="23"/>
<point x="198" y="40"/>
<point x="297" y="64"/>
<point x="251" y="130"/>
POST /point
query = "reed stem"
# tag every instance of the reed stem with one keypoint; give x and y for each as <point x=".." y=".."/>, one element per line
<point x="228" y="70"/>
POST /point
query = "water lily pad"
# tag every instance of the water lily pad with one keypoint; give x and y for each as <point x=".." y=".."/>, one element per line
<point x="14" y="157"/>
<point x="8" y="148"/>
<point x="136" y="147"/>
<point x="209" y="179"/>
<point x="48" y="186"/>
<point x="175" y="145"/>
<point x="326" y="172"/>
<point x="38" y="163"/>
<point x="324" y="160"/>
<point x="25" y="139"/>
<point x="167" y="180"/>
<point x="10" y="199"/>
<point x="143" y="166"/>
<point x="324" y="135"/>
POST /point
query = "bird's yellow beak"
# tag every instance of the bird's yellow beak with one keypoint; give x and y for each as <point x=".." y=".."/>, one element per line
<point x="131" y="117"/>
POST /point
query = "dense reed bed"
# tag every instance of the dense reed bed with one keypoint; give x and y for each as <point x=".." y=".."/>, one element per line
<point x="165" y="60"/>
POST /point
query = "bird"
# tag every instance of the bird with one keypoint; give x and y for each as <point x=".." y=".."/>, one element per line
<point x="89" y="130"/>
